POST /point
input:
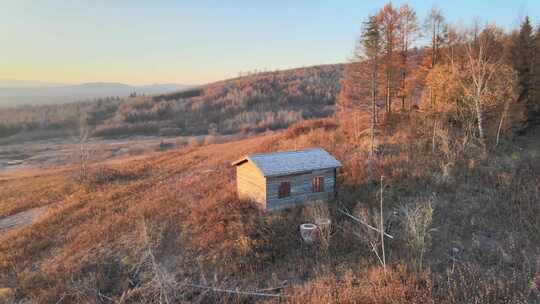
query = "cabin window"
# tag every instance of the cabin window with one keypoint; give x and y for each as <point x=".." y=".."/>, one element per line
<point x="284" y="189"/>
<point x="318" y="184"/>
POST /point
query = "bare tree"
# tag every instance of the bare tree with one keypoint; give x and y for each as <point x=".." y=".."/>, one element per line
<point x="371" y="45"/>
<point x="83" y="153"/>
<point x="435" y="26"/>
<point x="353" y="94"/>
<point x="408" y="31"/>
<point x="389" y="22"/>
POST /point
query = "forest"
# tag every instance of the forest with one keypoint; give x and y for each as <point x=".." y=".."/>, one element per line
<point x="465" y="73"/>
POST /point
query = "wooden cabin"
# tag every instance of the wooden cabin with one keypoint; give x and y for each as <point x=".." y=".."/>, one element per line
<point x="285" y="179"/>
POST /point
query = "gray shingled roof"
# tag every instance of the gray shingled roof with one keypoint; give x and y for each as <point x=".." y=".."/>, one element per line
<point x="289" y="162"/>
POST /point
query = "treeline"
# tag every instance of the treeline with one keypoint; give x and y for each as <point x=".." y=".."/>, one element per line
<point x="66" y="117"/>
<point x="253" y="103"/>
<point x="472" y="74"/>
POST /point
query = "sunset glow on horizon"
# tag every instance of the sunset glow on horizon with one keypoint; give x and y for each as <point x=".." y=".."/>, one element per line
<point x="195" y="42"/>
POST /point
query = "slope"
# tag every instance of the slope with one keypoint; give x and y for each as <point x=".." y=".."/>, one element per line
<point x="154" y="227"/>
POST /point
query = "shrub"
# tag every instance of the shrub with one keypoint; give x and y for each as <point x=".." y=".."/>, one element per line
<point x="417" y="221"/>
<point x="7" y="295"/>
<point x="103" y="175"/>
<point x="304" y="127"/>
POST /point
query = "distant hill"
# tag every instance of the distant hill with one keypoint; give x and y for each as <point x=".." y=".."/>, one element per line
<point x="251" y="103"/>
<point x="14" y="92"/>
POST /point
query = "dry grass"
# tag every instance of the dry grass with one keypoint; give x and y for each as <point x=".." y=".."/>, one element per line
<point x="95" y="222"/>
<point x="364" y="284"/>
<point x="90" y="245"/>
<point x="25" y="190"/>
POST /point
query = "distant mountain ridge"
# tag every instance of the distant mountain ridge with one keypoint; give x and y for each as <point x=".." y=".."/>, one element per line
<point x="16" y="92"/>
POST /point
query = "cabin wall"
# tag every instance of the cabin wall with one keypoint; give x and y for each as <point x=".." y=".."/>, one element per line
<point x="250" y="183"/>
<point x="301" y="189"/>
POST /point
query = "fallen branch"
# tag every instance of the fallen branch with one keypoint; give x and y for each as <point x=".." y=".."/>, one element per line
<point x="364" y="223"/>
<point x="283" y="285"/>
<point x="374" y="249"/>
<point x="231" y="291"/>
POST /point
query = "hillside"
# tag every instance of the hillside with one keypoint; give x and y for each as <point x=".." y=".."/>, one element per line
<point x="252" y="103"/>
<point x="169" y="226"/>
<point x="409" y="174"/>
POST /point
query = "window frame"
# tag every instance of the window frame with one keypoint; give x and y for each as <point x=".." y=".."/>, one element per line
<point x="284" y="192"/>
<point x="317" y="184"/>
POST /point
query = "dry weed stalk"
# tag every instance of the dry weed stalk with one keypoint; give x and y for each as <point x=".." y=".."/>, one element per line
<point x="83" y="153"/>
<point x="375" y="239"/>
<point x="318" y="212"/>
<point x="417" y="221"/>
<point x="382" y="226"/>
<point x="162" y="288"/>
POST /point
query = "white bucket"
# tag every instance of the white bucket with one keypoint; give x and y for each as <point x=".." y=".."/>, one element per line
<point x="309" y="232"/>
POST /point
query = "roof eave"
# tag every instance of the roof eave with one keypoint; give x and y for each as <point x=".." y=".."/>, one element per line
<point x="239" y="161"/>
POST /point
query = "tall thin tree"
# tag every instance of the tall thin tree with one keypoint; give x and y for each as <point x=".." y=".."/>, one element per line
<point x="371" y="45"/>
<point x="408" y="31"/>
<point x="389" y="21"/>
<point x="534" y="105"/>
<point x="522" y="54"/>
<point x="434" y="25"/>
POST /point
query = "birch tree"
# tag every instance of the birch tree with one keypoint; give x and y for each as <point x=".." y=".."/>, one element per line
<point x="483" y="77"/>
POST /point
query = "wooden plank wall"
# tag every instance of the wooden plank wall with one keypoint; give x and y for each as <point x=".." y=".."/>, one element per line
<point x="301" y="189"/>
<point x="250" y="183"/>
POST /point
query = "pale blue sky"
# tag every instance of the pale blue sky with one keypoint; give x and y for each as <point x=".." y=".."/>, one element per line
<point x="195" y="42"/>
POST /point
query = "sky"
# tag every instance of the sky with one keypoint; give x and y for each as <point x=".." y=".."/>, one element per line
<point x="198" y="41"/>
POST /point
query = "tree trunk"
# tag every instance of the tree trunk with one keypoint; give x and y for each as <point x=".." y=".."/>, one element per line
<point x="373" y="117"/>
<point x="503" y="115"/>
<point x="431" y="98"/>
<point x="373" y="112"/>
<point x="433" y="46"/>
<point x="480" y="120"/>
<point x="403" y="76"/>
<point x="388" y="97"/>
<point x="382" y="227"/>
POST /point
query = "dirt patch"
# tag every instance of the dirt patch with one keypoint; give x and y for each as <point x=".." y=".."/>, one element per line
<point x="20" y="219"/>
